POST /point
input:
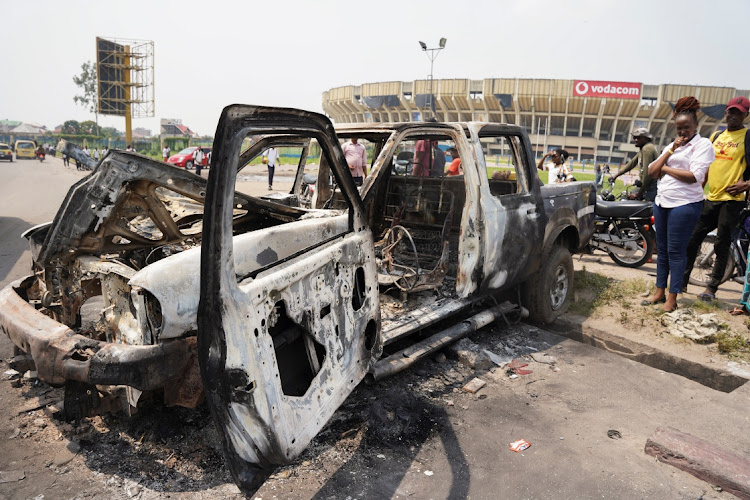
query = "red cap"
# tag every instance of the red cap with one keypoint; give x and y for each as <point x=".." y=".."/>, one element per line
<point x="741" y="103"/>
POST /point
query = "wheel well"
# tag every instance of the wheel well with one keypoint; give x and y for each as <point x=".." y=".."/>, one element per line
<point x="568" y="238"/>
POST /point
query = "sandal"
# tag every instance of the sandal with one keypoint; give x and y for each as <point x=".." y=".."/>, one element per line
<point x="706" y="297"/>
<point x="739" y="311"/>
<point x="652" y="302"/>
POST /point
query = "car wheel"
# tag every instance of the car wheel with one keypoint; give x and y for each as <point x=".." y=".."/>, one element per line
<point x="189" y="165"/>
<point x="549" y="293"/>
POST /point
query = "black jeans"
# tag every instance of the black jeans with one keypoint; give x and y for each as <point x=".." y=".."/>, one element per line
<point x="271" y="168"/>
<point x="722" y="216"/>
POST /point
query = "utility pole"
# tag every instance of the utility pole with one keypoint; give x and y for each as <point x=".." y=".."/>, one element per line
<point x="432" y="55"/>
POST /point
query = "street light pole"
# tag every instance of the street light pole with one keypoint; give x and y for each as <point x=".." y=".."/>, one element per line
<point x="432" y="55"/>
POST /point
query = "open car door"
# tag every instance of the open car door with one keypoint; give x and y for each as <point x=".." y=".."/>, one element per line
<point x="288" y="322"/>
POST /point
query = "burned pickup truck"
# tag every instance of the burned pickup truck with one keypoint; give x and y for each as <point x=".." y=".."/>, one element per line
<point x="274" y="306"/>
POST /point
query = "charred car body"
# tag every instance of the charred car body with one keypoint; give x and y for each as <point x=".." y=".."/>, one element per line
<point x="274" y="308"/>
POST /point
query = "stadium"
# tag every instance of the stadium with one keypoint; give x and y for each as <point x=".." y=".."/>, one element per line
<point x="591" y="119"/>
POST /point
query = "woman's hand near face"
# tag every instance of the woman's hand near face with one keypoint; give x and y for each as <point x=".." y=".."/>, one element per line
<point x="679" y="141"/>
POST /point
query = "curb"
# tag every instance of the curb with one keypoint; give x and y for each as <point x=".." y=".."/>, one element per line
<point x="715" y="378"/>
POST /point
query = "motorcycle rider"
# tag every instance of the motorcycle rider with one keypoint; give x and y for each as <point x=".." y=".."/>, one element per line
<point x="728" y="180"/>
<point x="646" y="154"/>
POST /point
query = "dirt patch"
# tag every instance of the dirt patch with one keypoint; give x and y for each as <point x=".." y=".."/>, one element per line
<point x="608" y="299"/>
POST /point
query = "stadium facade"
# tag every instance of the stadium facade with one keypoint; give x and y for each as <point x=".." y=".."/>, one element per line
<point x="591" y="119"/>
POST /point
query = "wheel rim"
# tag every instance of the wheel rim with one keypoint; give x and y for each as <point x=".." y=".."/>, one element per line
<point x="635" y="243"/>
<point x="559" y="289"/>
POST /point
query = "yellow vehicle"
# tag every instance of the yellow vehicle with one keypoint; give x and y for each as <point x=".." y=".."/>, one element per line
<point x="25" y="149"/>
<point x="5" y="152"/>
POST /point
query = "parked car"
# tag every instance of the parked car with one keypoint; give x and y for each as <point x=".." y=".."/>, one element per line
<point x="186" y="157"/>
<point x="25" y="149"/>
<point x="5" y="152"/>
<point x="275" y="311"/>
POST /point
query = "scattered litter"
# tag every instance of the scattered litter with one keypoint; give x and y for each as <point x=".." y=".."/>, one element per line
<point x="512" y="376"/>
<point x="519" y="445"/>
<point x="428" y="473"/>
<point x="474" y="385"/>
<point x="380" y="455"/>
<point x="11" y="476"/>
<point x="517" y="367"/>
<point x="449" y="402"/>
<point x="540" y="357"/>
<point x="691" y="325"/>
<point x="613" y="434"/>
<point x="498" y="359"/>
<point x="11" y="373"/>
<point x="29" y="375"/>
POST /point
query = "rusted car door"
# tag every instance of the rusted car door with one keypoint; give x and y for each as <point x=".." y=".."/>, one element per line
<point x="288" y="322"/>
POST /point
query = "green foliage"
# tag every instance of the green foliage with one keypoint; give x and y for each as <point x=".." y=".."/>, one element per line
<point x="87" y="83"/>
<point x="71" y="127"/>
<point x="110" y="132"/>
<point x="733" y="344"/>
<point x="89" y="127"/>
<point x="595" y="290"/>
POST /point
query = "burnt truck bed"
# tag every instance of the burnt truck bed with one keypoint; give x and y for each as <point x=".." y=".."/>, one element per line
<point x="274" y="308"/>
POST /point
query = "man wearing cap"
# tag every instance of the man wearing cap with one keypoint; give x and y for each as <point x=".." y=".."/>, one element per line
<point x="646" y="154"/>
<point x="728" y="179"/>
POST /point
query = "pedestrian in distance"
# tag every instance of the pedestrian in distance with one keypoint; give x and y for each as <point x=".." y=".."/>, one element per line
<point x="271" y="157"/>
<point x="96" y="154"/>
<point x="355" y="155"/>
<point x="558" y="171"/>
<point x="728" y="180"/>
<point x="165" y="153"/>
<point x="681" y="170"/>
<point x="198" y="160"/>
<point x="455" y="167"/>
<point x="598" y="179"/>
<point x="66" y="161"/>
<point x="438" y="162"/>
<point x="646" y="154"/>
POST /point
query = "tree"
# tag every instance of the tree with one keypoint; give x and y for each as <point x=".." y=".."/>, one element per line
<point x="110" y="132"/>
<point x="89" y="128"/>
<point x="71" y="127"/>
<point x="87" y="82"/>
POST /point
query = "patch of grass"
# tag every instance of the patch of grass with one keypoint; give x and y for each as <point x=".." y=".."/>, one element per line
<point x="733" y="345"/>
<point x="594" y="290"/>
<point x="702" y="306"/>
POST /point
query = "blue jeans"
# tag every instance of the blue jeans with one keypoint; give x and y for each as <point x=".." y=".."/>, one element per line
<point x="674" y="226"/>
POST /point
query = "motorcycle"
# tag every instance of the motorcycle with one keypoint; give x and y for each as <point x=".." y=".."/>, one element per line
<point x="40" y="155"/>
<point x="307" y="189"/>
<point x="624" y="229"/>
<point x="737" y="261"/>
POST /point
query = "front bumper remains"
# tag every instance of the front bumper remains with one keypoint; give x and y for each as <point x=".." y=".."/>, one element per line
<point x="62" y="355"/>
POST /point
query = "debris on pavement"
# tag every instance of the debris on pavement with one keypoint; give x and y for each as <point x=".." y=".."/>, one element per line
<point x="688" y="324"/>
<point x="614" y="434"/>
<point x="499" y="359"/>
<point x="474" y="385"/>
<point x="519" y="445"/>
<point x="471" y="355"/>
<point x="11" y="476"/>
<point x="517" y="366"/>
<point x="545" y="358"/>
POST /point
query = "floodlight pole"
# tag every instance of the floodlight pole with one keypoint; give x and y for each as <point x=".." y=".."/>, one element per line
<point x="432" y="55"/>
<point x="128" y="115"/>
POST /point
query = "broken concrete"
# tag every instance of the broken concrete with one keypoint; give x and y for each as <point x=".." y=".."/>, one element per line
<point x="688" y="324"/>
<point x="702" y="459"/>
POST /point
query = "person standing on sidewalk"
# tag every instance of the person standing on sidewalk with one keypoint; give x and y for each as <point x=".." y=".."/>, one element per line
<point x="356" y="157"/>
<point x="681" y="170"/>
<point x="271" y="157"/>
<point x="643" y="158"/>
<point x="728" y="180"/>
<point x="198" y="160"/>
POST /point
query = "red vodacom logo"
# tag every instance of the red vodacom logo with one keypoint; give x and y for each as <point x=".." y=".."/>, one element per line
<point x="621" y="90"/>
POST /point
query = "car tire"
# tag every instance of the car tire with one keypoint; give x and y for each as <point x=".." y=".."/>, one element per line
<point x="549" y="293"/>
<point x="188" y="165"/>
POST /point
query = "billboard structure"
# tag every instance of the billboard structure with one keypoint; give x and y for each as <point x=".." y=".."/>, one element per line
<point x="125" y="79"/>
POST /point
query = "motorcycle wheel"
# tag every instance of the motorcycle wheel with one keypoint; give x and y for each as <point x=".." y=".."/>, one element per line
<point x="643" y="242"/>
<point x="701" y="272"/>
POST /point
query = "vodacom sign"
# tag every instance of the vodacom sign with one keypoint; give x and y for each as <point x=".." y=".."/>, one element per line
<point x="621" y="90"/>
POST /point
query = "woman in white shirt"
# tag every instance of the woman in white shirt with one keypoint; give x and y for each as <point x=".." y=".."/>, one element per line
<point x="558" y="172"/>
<point x="681" y="170"/>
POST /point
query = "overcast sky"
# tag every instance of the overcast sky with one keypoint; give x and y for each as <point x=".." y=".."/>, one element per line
<point x="287" y="53"/>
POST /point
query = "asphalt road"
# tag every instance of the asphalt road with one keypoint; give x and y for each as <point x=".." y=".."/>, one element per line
<point x="564" y="410"/>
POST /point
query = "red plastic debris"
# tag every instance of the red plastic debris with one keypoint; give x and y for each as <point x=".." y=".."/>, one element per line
<point x="517" y="366"/>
